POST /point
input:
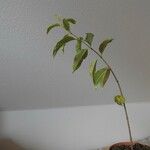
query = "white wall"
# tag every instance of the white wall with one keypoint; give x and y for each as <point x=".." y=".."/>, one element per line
<point x="31" y="79"/>
<point x="81" y="128"/>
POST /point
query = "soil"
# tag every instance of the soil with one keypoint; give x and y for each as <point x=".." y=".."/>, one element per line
<point x="136" y="146"/>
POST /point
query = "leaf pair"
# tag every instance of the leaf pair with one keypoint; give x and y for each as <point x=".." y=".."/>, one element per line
<point x="100" y="76"/>
<point x="66" y="23"/>
<point x="81" y="53"/>
<point x="89" y="39"/>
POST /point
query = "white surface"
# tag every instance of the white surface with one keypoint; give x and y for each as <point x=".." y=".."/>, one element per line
<point x="81" y="128"/>
<point x="29" y="78"/>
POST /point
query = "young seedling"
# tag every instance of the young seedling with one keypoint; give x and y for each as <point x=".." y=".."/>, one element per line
<point x="99" y="75"/>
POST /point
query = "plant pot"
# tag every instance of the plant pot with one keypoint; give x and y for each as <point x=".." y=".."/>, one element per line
<point x="120" y="144"/>
<point x="125" y="145"/>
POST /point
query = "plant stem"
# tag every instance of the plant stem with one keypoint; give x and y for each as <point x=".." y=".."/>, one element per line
<point x="119" y="86"/>
<point x="128" y="123"/>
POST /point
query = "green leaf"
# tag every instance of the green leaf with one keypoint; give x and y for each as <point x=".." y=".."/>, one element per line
<point x="63" y="48"/>
<point x="66" y="24"/>
<point x="92" y="69"/>
<point x="61" y="43"/>
<point x="120" y="100"/>
<point x="52" y="26"/>
<point x="71" y="20"/>
<point x="78" y="59"/>
<point x="79" y="44"/>
<point x="104" y="44"/>
<point x="101" y="76"/>
<point x="89" y="38"/>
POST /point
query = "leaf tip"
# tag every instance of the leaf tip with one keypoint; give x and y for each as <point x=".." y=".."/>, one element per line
<point x="73" y="70"/>
<point x="47" y="30"/>
<point x="111" y="39"/>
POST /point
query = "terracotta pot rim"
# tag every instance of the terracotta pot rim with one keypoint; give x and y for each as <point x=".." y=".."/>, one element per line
<point x="122" y="143"/>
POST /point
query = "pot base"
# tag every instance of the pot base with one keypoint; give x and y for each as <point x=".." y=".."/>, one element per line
<point x="127" y="146"/>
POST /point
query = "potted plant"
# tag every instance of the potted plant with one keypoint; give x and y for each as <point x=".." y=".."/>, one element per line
<point x="99" y="75"/>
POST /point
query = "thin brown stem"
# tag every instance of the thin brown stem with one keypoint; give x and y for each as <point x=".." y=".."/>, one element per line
<point x="117" y="81"/>
<point x="128" y="123"/>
